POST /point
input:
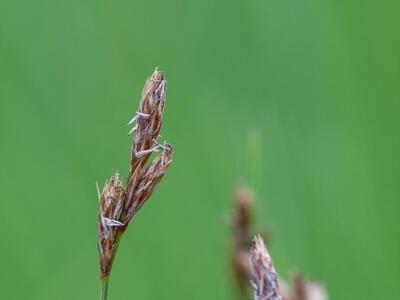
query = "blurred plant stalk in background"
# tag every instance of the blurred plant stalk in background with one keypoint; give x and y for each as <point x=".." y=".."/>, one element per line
<point x="250" y="259"/>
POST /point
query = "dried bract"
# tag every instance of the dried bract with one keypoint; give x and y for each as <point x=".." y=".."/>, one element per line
<point x="263" y="275"/>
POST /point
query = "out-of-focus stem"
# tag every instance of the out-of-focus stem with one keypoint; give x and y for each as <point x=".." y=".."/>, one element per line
<point x="254" y="158"/>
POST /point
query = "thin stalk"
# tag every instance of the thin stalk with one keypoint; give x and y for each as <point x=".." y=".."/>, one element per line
<point x="119" y="202"/>
<point x="104" y="289"/>
<point x="254" y="158"/>
<point x="105" y="280"/>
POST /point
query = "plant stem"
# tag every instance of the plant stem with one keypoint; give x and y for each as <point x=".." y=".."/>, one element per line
<point x="104" y="289"/>
<point x="105" y="280"/>
<point x="254" y="158"/>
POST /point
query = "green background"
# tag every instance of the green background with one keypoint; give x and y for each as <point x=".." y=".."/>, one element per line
<point x="315" y="82"/>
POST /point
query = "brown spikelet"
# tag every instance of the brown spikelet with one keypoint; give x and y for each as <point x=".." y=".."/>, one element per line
<point x="148" y="124"/>
<point x="148" y="181"/>
<point x="242" y="232"/>
<point x="299" y="287"/>
<point x="110" y="207"/>
<point x="263" y="275"/>
<point x="118" y="204"/>
<point x="241" y="228"/>
<point x="242" y="215"/>
<point x="307" y="289"/>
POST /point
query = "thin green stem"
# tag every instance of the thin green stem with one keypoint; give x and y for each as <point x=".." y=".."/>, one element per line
<point x="105" y="280"/>
<point x="104" y="289"/>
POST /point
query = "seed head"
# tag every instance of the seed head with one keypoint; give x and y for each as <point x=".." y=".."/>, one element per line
<point x="149" y="179"/>
<point x="306" y="289"/>
<point x="145" y="133"/>
<point x="263" y="275"/>
<point x="118" y="204"/>
<point x="242" y="216"/>
<point x="110" y="209"/>
<point x="241" y="229"/>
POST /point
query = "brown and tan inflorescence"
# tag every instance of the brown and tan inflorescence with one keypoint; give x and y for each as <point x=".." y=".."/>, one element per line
<point x="241" y="229"/>
<point x="242" y="233"/>
<point x="242" y="220"/>
<point x="118" y="203"/>
<point x="303" y="289"/>
<point x="268" y="286"/>
<point x="262" y="272"/>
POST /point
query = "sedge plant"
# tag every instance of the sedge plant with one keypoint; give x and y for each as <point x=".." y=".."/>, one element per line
<point x="120" y="201"/>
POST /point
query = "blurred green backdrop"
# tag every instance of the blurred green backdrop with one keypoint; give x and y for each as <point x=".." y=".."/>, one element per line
<point x="318" y="79"/>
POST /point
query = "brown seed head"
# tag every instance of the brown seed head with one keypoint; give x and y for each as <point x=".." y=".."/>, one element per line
<point x="306" y="289"/>
<point x="151" y="176"/>
<point x="263" y="275"/>
<point x="242" y="216"/>
<point x="299" y="287"/>
<point x="110" y="208"/>
<point x="118" y="204"/>
<point x="241" y="223"/>
<point x="145" y="133"/>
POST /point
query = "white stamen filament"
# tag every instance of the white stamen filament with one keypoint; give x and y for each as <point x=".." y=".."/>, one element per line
<point x="98" y="191"/>
<point x="139" y="154"/>
<point x="112" y="223"/>
<point x="132" y="120"/>
<point x="143" y="114"/>
<point x="133" y="129"/>
<point x="143" y="188"/>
